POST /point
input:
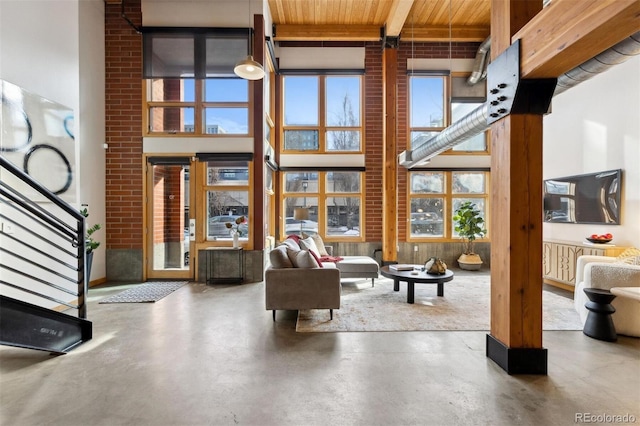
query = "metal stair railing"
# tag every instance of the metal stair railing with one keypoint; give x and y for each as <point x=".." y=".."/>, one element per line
<point x="42" y="245"/>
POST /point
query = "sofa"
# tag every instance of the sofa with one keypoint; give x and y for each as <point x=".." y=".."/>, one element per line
<point x="608" y="273"/>
<point x="349" y="266"/>
<point x="294" y="280"/>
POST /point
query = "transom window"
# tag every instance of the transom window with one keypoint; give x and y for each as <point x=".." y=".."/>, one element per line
<point x="435" y="195"/>
<point x="322" y="113"/>
<point x="333" y="201"/>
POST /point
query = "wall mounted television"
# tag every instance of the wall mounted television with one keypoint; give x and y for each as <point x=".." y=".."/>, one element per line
<point x="587" y="198"/>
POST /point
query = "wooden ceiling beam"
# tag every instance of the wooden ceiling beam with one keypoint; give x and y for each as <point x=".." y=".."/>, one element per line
<point x="291" y="32"/>
<point x="457" y="33"/>
<point x="397" y="17"/>
<point x="294" y="32"/>
<point x="567" y="33"/>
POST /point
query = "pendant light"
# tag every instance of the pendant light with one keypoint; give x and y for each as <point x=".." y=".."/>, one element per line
<point x="248" y="68"/>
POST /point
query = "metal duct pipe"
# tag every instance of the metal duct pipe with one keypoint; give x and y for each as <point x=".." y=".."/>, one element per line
<point x="480" y="64"/>
<point x="600" y="63"/>
<point x="476" y="121"/>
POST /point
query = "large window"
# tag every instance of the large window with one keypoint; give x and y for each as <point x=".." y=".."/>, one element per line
<point x="333" y="200"/>
<point x="435" y="195"/>
<point x="322" y="113"/>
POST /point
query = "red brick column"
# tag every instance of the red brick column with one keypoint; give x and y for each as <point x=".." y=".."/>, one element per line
<point x="123" y="90"/>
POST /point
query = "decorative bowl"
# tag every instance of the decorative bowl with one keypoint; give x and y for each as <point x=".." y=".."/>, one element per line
<point x="599" y="241"/>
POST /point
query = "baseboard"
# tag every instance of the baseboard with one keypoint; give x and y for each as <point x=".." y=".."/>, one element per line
<point x="517" y="360"/>
<point x="558" y="284"/>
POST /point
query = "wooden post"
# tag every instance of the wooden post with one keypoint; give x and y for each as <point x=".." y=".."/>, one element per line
<point x="390" y="151"/>
<point x="515" y="342"/>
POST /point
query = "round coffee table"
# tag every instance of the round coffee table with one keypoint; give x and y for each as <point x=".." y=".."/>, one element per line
<point x="416" y="276"/>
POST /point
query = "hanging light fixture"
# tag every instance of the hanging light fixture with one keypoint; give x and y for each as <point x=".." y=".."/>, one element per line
<point x="248" y="68"/>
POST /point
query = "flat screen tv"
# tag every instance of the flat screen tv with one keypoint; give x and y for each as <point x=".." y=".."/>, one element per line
<point x="588" y="198"/>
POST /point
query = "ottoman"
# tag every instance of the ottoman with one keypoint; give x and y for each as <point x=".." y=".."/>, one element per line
<point x="358" y="267"/>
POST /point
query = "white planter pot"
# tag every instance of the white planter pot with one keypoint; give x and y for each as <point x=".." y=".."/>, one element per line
<point x="236" y="241"/>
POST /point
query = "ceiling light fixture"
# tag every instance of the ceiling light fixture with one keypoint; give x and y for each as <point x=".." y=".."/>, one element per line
<point x="248" y="68"/>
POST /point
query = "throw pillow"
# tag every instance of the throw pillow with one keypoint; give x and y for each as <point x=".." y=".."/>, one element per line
<point x="322" y="251"/>
<point x="630" y="256"/>
<point x="279" y="258"/>
<point x="309" y="244"/>
<point x="293" y="245"/>
<point x="301" y="259"/>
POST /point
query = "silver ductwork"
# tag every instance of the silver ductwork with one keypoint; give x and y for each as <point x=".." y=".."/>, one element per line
<point x="481" y="62"/>
<point x="598" y="64"/>
<point x="475" y="122"/>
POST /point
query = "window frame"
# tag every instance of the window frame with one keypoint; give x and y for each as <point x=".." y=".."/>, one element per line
<point x="322" y="128"/>
<point x="448" y="197"/>
<point x="199" y="105"/>
<point x="203" y="187"/>
<point x="322" y="194"/>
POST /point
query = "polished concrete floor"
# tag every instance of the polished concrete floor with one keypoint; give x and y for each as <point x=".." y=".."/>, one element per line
<point x="211" y="355"/>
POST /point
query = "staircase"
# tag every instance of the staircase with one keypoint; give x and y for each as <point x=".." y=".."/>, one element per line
<point x="43" y="285"/>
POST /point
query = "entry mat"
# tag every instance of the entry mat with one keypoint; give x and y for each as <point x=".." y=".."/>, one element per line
<point x="145" y="293"/>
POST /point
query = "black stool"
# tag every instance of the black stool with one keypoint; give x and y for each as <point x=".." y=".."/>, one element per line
<point x="599" y="324"/>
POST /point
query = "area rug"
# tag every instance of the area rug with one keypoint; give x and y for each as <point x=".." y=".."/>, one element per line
<point x="465" y="306"/>
<point x="145" y="293"/>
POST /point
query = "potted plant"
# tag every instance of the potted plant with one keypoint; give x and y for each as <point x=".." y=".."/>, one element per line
<point x="469" y="225"/>
<point x="90" y="243"/>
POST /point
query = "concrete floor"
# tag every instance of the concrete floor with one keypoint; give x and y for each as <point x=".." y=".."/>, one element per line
<point x="211" y="355"/>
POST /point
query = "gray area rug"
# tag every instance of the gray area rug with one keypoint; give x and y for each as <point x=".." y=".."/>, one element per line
<point x="465" y="306"/>
<point x="145" y="293"/>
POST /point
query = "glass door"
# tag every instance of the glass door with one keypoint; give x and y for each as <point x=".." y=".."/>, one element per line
<point x="169" y="239"/>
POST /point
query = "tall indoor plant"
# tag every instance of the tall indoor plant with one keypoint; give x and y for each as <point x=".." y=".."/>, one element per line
<point x="469" y="225"/>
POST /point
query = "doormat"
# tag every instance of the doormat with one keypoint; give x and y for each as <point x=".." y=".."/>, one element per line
<point x="145" y="293"/>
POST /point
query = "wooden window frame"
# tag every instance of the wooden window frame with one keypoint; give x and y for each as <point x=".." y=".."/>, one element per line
<point x="321" y="195"/>
<point x="322" y="127"/>
<point x="199" y="105"/>
<point x="448" y="196"/>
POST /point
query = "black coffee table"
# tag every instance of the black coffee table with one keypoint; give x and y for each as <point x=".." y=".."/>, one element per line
<point x="411" y="278"/>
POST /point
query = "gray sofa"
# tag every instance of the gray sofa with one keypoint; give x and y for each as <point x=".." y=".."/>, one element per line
<point x="294" y="282"/>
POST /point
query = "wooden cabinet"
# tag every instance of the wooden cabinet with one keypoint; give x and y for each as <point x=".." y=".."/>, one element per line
<point x="559" y="260"/>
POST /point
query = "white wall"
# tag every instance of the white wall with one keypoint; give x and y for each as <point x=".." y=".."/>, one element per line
<point x="55" y="49"/>
<point x="595" y="126"/>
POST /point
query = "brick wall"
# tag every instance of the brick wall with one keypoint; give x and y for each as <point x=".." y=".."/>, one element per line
<point x="374" y="122"/>
<point x="123" y="49"/>
<point x="124" y="178"/>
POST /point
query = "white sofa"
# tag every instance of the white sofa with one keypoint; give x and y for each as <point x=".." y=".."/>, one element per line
<point x="606" y="273"/>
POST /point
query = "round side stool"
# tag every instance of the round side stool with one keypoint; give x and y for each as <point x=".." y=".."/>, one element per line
<point x="599" y="324"/>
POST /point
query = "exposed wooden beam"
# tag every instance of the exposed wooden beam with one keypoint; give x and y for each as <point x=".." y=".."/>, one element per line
<point x="444" y="34"/>
<point x="291" y="32"/>
<point x="567" y="33"/>
<point x="515" y="342"/>
<point x="294" y="32"/>
<point x="397" y="16"/>
<point x="389" y="153"/>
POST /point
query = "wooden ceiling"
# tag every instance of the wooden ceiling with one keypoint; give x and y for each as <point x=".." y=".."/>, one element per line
<point x="347" y="20"/>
